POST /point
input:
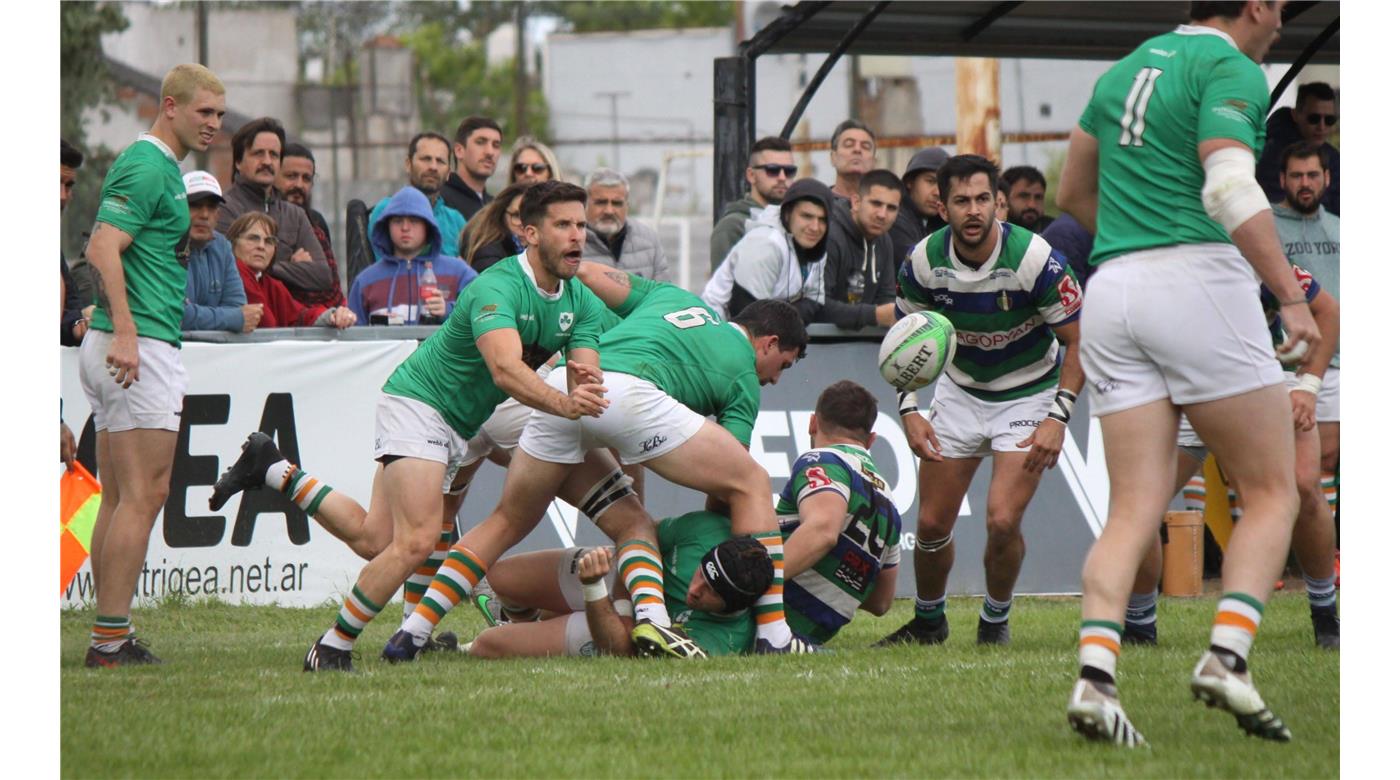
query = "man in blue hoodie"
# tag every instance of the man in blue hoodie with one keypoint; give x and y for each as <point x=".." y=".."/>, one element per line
<point x="406" y="242"/>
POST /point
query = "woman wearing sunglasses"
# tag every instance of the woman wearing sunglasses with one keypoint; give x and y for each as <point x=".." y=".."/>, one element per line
<point x="532" y="162"/>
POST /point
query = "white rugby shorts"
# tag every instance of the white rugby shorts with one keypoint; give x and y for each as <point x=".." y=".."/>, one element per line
<point x="1181" y="322"/>
<point x="968" y="427"/>
<point x="641" y="423"/>
<point x="154" y="402"/>
<point x="502" y="429"/>
<point x="409" y="428"/>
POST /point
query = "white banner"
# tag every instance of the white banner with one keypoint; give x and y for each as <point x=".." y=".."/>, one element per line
<point x="317" y="400"/>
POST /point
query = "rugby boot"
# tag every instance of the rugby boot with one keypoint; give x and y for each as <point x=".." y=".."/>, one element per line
<point x="322" y="657"/>
<point x="132" y="652"/>
<point x="920" y="631"/>
<point x="1327" y="629"/>
<point x="1094" y="711"/>
<point x="993" y="633"/>
<point x="654" y="641"/>
<point x="1219" y="686"/>
<point x="248" y="472"/>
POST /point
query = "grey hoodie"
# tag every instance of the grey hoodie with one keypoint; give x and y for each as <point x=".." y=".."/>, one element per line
<point x="850" y="256"/>
<point x="729" y="228"/>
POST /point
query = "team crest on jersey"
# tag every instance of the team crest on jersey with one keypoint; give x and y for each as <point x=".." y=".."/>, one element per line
<point x="566" y="320"/>
<point x="1070" y="294"/>
<point x="1004" y="300"/>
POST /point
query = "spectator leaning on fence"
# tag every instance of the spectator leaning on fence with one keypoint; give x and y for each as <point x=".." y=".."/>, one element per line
<point x="405" y="240"/>
<point x="214" y="295"/>
<point x="613" y="240"/>
<point x="532" y="162"/>
<point x="254" y="237"/>
<point x="496" y="231"/>
<point x="781" y="255"/>
<point x="769" y="173"/>
<point x="295" y="179"/>
<point x="77" y="313"/>
<point x="918" y="209"/>
<point x="861" y="266"/>
<point x="852" y="154"/>
<point x="477" y="147"/>
<point x="257" y="156"/>
<point x="427" y="166"/>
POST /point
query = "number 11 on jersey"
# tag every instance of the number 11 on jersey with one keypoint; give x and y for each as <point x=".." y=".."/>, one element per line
<point x="1135" y="107"/>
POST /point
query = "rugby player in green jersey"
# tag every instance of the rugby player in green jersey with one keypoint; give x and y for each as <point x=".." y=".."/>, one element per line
<point x="669" y="362"/>
<point x="129" y="361"/>
<point x="1007" y="393"/>
<point x="1161" y="168"/>
<point x="509" y="321"/>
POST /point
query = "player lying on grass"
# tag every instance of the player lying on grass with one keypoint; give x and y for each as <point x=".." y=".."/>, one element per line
<point x="1314" y="535"/>
<point x="840" y="530"/>
<point x="671" y="361"/>
<point x="715" y="578"/>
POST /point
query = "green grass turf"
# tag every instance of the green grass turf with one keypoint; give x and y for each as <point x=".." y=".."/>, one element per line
<point x="231" y="701"/>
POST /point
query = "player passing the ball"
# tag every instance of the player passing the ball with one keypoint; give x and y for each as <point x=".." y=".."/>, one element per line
<point x="1161" y="167"/>
<point x="1007" y="393"/>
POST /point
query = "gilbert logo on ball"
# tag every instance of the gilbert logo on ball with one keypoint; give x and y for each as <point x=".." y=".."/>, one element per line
<point x="916" y="350"/>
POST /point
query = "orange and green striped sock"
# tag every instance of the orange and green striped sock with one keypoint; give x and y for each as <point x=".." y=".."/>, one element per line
<point x="109" y="632"/>
<point x="303" y="489"/>
<point x="1331" y="485"/>
<point x="456" y="577"/>
<point x="1237" y="618"/>
<point x="1099" y="644"/>
<point x="355" y="614"/>
<point x="768" y="612"/>
<point x="639" y="562"/>
<point x="418" y="581"/>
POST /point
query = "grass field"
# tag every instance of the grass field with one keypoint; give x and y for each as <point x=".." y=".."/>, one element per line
<point x="231" y="701"/>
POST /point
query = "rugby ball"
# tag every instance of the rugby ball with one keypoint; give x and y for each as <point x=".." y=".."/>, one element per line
<point x="916" y="350"/>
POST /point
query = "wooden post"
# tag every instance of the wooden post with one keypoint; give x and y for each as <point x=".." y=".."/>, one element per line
<point x="979" y="107"/>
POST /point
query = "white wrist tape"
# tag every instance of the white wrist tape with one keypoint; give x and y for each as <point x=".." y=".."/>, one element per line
<point x="908" y="403"/>
<point x="1231" y="195"/>
<point x="1309" y="383"/>
<point x="592" y="591"/>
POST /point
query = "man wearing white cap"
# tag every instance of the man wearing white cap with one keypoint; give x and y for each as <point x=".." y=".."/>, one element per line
<point x="214" y="297"/>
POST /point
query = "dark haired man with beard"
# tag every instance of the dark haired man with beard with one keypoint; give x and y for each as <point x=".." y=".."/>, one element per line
<point x="295" y="178"/>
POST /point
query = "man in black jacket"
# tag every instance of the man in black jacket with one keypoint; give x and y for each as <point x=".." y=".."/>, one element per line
<point x="477" y="147"/>
<point x="918" y="210"/>
<point x="860" y="260"/>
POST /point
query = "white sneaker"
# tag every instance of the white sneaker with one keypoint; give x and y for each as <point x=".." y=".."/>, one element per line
<point x="1094" y="711"/>
<point x="1219" y="686"/>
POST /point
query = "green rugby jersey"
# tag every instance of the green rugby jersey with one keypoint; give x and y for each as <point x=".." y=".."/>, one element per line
<point x="684" y="540"/>
<point x="824" y="598"/>
<point x="144" y="197"/>
<point x="1149" y="112"/>
<point x="447" y="371"/>
<point x="1002" y="310"/>
<point x="669" y="337"/>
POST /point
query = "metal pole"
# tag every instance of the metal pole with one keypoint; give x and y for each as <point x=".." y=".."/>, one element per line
<point x="522" y="91"/>
<point x="1303" y="57"/>
<point x="734" y="127"/>
<point x="616" y="132"/>
<point x="201" y="24"/>
<point x="828" y="64"/>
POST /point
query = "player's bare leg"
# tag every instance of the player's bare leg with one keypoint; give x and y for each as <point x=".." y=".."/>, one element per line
<point x="1140" y="622"/>
<point x="1252" y="436"/>
<point x="715" y="463"/>
<point x="1011" y="489"/>
<point x="1315" y="542"/>
<point x="942" y="485"/>
<point x="138" y="465"/>
<point x="416" y="514"/>
<point x="1140" y="449"/>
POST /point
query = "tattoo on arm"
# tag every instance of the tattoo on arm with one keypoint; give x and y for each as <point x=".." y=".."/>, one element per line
<point x="621" y="278"/>
<point x="99" y="287"/>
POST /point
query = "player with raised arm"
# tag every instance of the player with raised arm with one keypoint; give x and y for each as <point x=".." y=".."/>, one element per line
<point x="512" y="319"/>
<point x="1161" y="167"/>
<point x="1014" y="302"/>
<point x="669" y="362"/>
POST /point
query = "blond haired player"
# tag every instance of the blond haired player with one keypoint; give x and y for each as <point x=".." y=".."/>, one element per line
<point x="130" y="360"/>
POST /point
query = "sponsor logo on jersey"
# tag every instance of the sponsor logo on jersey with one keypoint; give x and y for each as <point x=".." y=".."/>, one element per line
<point x="943" y="298"/>
<point x="967" y="338"/>
<point x="566" y="320"/>
<point x="817" y="477"/>
<point x="488" y="308"/>
<point x="869" y="474"/>
<point x="650" y="444"/>
<point x="1004" y="300"/>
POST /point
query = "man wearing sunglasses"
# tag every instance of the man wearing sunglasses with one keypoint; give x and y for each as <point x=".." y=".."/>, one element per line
<point x="770" y="172"/>
<point x="1313" y="120"/>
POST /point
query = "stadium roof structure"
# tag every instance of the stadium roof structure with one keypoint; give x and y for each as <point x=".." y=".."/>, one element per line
<point x="1047" y="29"/>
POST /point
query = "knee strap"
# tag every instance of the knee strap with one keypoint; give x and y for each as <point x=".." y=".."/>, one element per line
<point x="609" y="490"/>
<point x="933" y="545"/>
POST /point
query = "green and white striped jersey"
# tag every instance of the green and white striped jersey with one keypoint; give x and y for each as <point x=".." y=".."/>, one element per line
<point x="1003" y="311"/>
